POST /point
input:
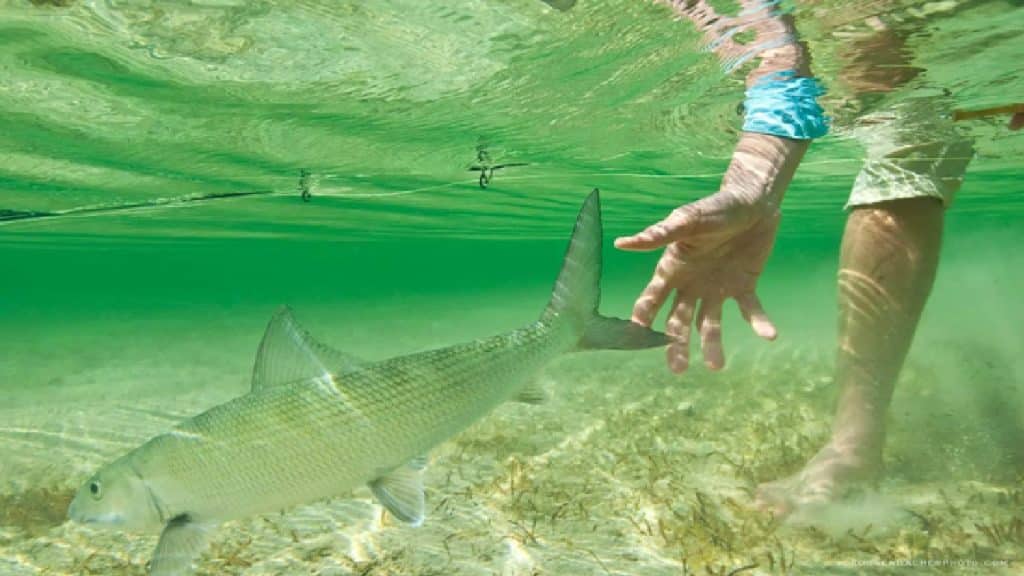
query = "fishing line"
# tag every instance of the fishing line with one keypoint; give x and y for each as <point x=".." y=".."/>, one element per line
<point x="14" y="216"/>
<point x="306" y="191"/>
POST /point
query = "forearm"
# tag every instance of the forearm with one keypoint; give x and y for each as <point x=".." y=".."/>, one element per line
<point x="762" y="164"/>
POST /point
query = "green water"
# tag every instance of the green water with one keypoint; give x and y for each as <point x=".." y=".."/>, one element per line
<point x="128" y="307"/>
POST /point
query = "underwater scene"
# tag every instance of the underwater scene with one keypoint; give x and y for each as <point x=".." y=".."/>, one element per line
<point x="511" y="287"/>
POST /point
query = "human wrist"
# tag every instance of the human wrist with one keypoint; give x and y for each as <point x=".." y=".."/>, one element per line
<point x="761" y="169"/>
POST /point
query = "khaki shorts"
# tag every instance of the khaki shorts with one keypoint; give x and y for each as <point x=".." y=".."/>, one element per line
<point x="913" y="151"/>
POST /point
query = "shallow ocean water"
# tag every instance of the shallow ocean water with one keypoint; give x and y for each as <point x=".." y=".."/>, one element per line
<point x="132" y="297"/>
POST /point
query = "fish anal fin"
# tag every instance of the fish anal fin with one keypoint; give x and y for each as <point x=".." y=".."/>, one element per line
<point x="401" y="492"/>
<point x="288" y="354"/>
<point x="181" y="542"/>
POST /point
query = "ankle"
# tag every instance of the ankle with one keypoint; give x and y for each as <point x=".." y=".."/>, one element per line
<point x="852" y="452"/>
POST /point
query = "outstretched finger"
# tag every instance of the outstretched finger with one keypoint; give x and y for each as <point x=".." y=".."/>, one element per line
<point x="654" y="295"/>
<point x="658" y="234"/>
<point x="678" y="327"/>
<point x="709" y="322"/>
<point x="753" y="312"/>
<point x="652" y="237"/>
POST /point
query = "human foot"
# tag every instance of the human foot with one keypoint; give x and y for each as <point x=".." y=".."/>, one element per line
<point x="827" y="477"/>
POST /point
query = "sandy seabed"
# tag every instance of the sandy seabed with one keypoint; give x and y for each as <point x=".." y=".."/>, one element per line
<point x="627" y="470"/>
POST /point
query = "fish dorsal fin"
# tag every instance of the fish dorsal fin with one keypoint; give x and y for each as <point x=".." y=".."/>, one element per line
<point x="401" y="491"/>
<point x="288" y="353"/>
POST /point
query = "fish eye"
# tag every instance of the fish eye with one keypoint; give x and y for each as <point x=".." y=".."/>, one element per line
<point x="94" y="489"/>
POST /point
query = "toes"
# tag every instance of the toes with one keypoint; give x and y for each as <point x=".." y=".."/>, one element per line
<point x="773" y="498"/>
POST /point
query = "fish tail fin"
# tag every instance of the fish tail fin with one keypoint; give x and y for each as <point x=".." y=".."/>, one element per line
<point x="577" y="293"/>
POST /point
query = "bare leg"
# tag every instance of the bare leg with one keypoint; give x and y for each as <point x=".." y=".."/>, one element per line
<point x="889" y="256"/>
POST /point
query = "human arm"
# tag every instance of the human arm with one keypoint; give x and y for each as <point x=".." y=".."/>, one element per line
<point x="716" y="247"/>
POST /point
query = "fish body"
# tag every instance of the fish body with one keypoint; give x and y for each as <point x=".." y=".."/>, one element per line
<point x="303" y="441"/>
<point x="318" y="422"/>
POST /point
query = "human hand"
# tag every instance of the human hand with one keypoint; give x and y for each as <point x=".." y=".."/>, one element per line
<point x="715" y="249"/>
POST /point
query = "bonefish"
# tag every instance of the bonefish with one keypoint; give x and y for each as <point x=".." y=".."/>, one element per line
<point x="318" y="422"/>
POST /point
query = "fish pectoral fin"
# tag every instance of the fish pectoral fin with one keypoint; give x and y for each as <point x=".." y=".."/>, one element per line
<point x="532" y="393"/>
<point x="288" y="353"/>
<point x="401" y="492"/>
<point x="181" y="542"/>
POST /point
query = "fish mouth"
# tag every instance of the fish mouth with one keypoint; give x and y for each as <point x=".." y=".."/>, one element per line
<point x="78" y="516"/>
<point x="103" y="520"/>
